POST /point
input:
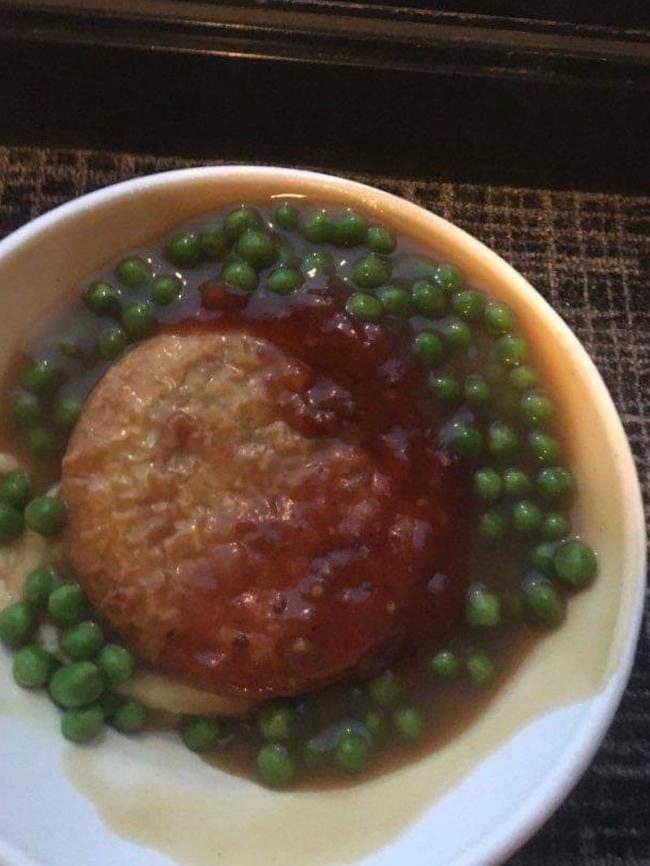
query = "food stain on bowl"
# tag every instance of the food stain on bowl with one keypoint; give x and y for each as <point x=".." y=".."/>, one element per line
<point x="323" y="527"/>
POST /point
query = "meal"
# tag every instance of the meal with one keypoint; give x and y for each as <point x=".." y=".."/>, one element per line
<point x="284" y="482"/>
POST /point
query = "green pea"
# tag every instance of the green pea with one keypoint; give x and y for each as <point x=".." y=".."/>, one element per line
<point x="555" y="526"/>
<point x="116" y="663"/>
<point x="139" y="321"/>
<point x="287" y="258"/>
<point x="381" y="240"/>
<point x="102" y="299"/>
<point x="318" y="228"/>
<point x="318" y="262"/>
<point x="38" y="585"/>
<point x="527" y="516"/>
<point x="428" y="299"/>
<point x="396" y="301"/>
<point x="83" y="724"/>
<point x="541" y="557"/>
<point x="25" y="411"/>
<point x="554" y="482"/>
<point x="465" y="440"/>
<point x="502" y="440"/>
<point x="286" y="216"/>
<point x="468" y="305"/>
<point x="444" y="665"/>
<point x="487" y="484"/>
<point x="575" y="565"/>
<point x="384" y="690"/>
<point x="365" y="307"/>
<point x="214" y="245"/>
<point x="544" y="605"/>
<point x="456" y="333"/>
<point x="536" y="409"/>
<point x="42" y="378"/>
<point x="480" y="668"/>
<point x="110" y="704"/>
<point x="184" y="250"/>
<point x="41" y="442"/>
<point x="274" y="765"/>
<point x="16" y="489"/>
<point x="516" y="483"/>
<point x="240" y="275"/>
<point x="476" y="392"/>
<point x="350" y="229"/>
<point x="512" y="350"/>
<point x="67" y="413"/>
<point x="46" y="515"/>
<point x="257" y="248"/>
<point x="499" y="318"/>
<point x="68" y="605"/>
<point x="449" y="278"/>
<point x="445" y="388"/>
<point x="494" y="372"/>
<point x="33" y="667"/>
<point x="482" y="608"/>
<point x="82" y="641"/>
<point x="133" y="271"/>
<point x="523" y="378"/>
<point x="130" y="716"/>
<point x="370" y="272"/>
<point x="408" y="722"/>
<point x="543" y="449"/>
<point x="239" y="220"/>
<point x="429" y="348"/>
<point x="165" y="289"/>
<point x="111" y="343"/>
<point x="76" y="684"/>
<point x="493" y="524"/>
<point x="12" y="523"/>
<point x="283" y="281"/>
<point x="351" y="752"/>
<point x="18" y="622"/>
<point x="375" y="724"/>
<point x="201" y="733"/>
<point x="277" y="721"/>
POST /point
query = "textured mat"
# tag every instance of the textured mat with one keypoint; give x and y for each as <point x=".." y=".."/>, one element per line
<point x="589" y="254"/>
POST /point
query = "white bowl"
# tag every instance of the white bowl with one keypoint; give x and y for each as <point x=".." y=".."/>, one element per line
<point x="146" y="801"/>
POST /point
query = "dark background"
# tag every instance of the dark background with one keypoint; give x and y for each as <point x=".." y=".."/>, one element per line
<point x="496" y="91"/>
<point x="527" y="123"/>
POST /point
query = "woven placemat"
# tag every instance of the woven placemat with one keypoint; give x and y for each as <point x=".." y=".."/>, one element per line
<point x="589" y="255"/>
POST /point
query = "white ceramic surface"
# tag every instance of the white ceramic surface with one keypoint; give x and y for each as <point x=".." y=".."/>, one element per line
<point x="496" y="806"/>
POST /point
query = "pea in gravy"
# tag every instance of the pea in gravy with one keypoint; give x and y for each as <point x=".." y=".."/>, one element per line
<point x="376" y="381"/>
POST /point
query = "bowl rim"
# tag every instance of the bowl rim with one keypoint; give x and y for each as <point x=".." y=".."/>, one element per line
<point x="546" y="797"/>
